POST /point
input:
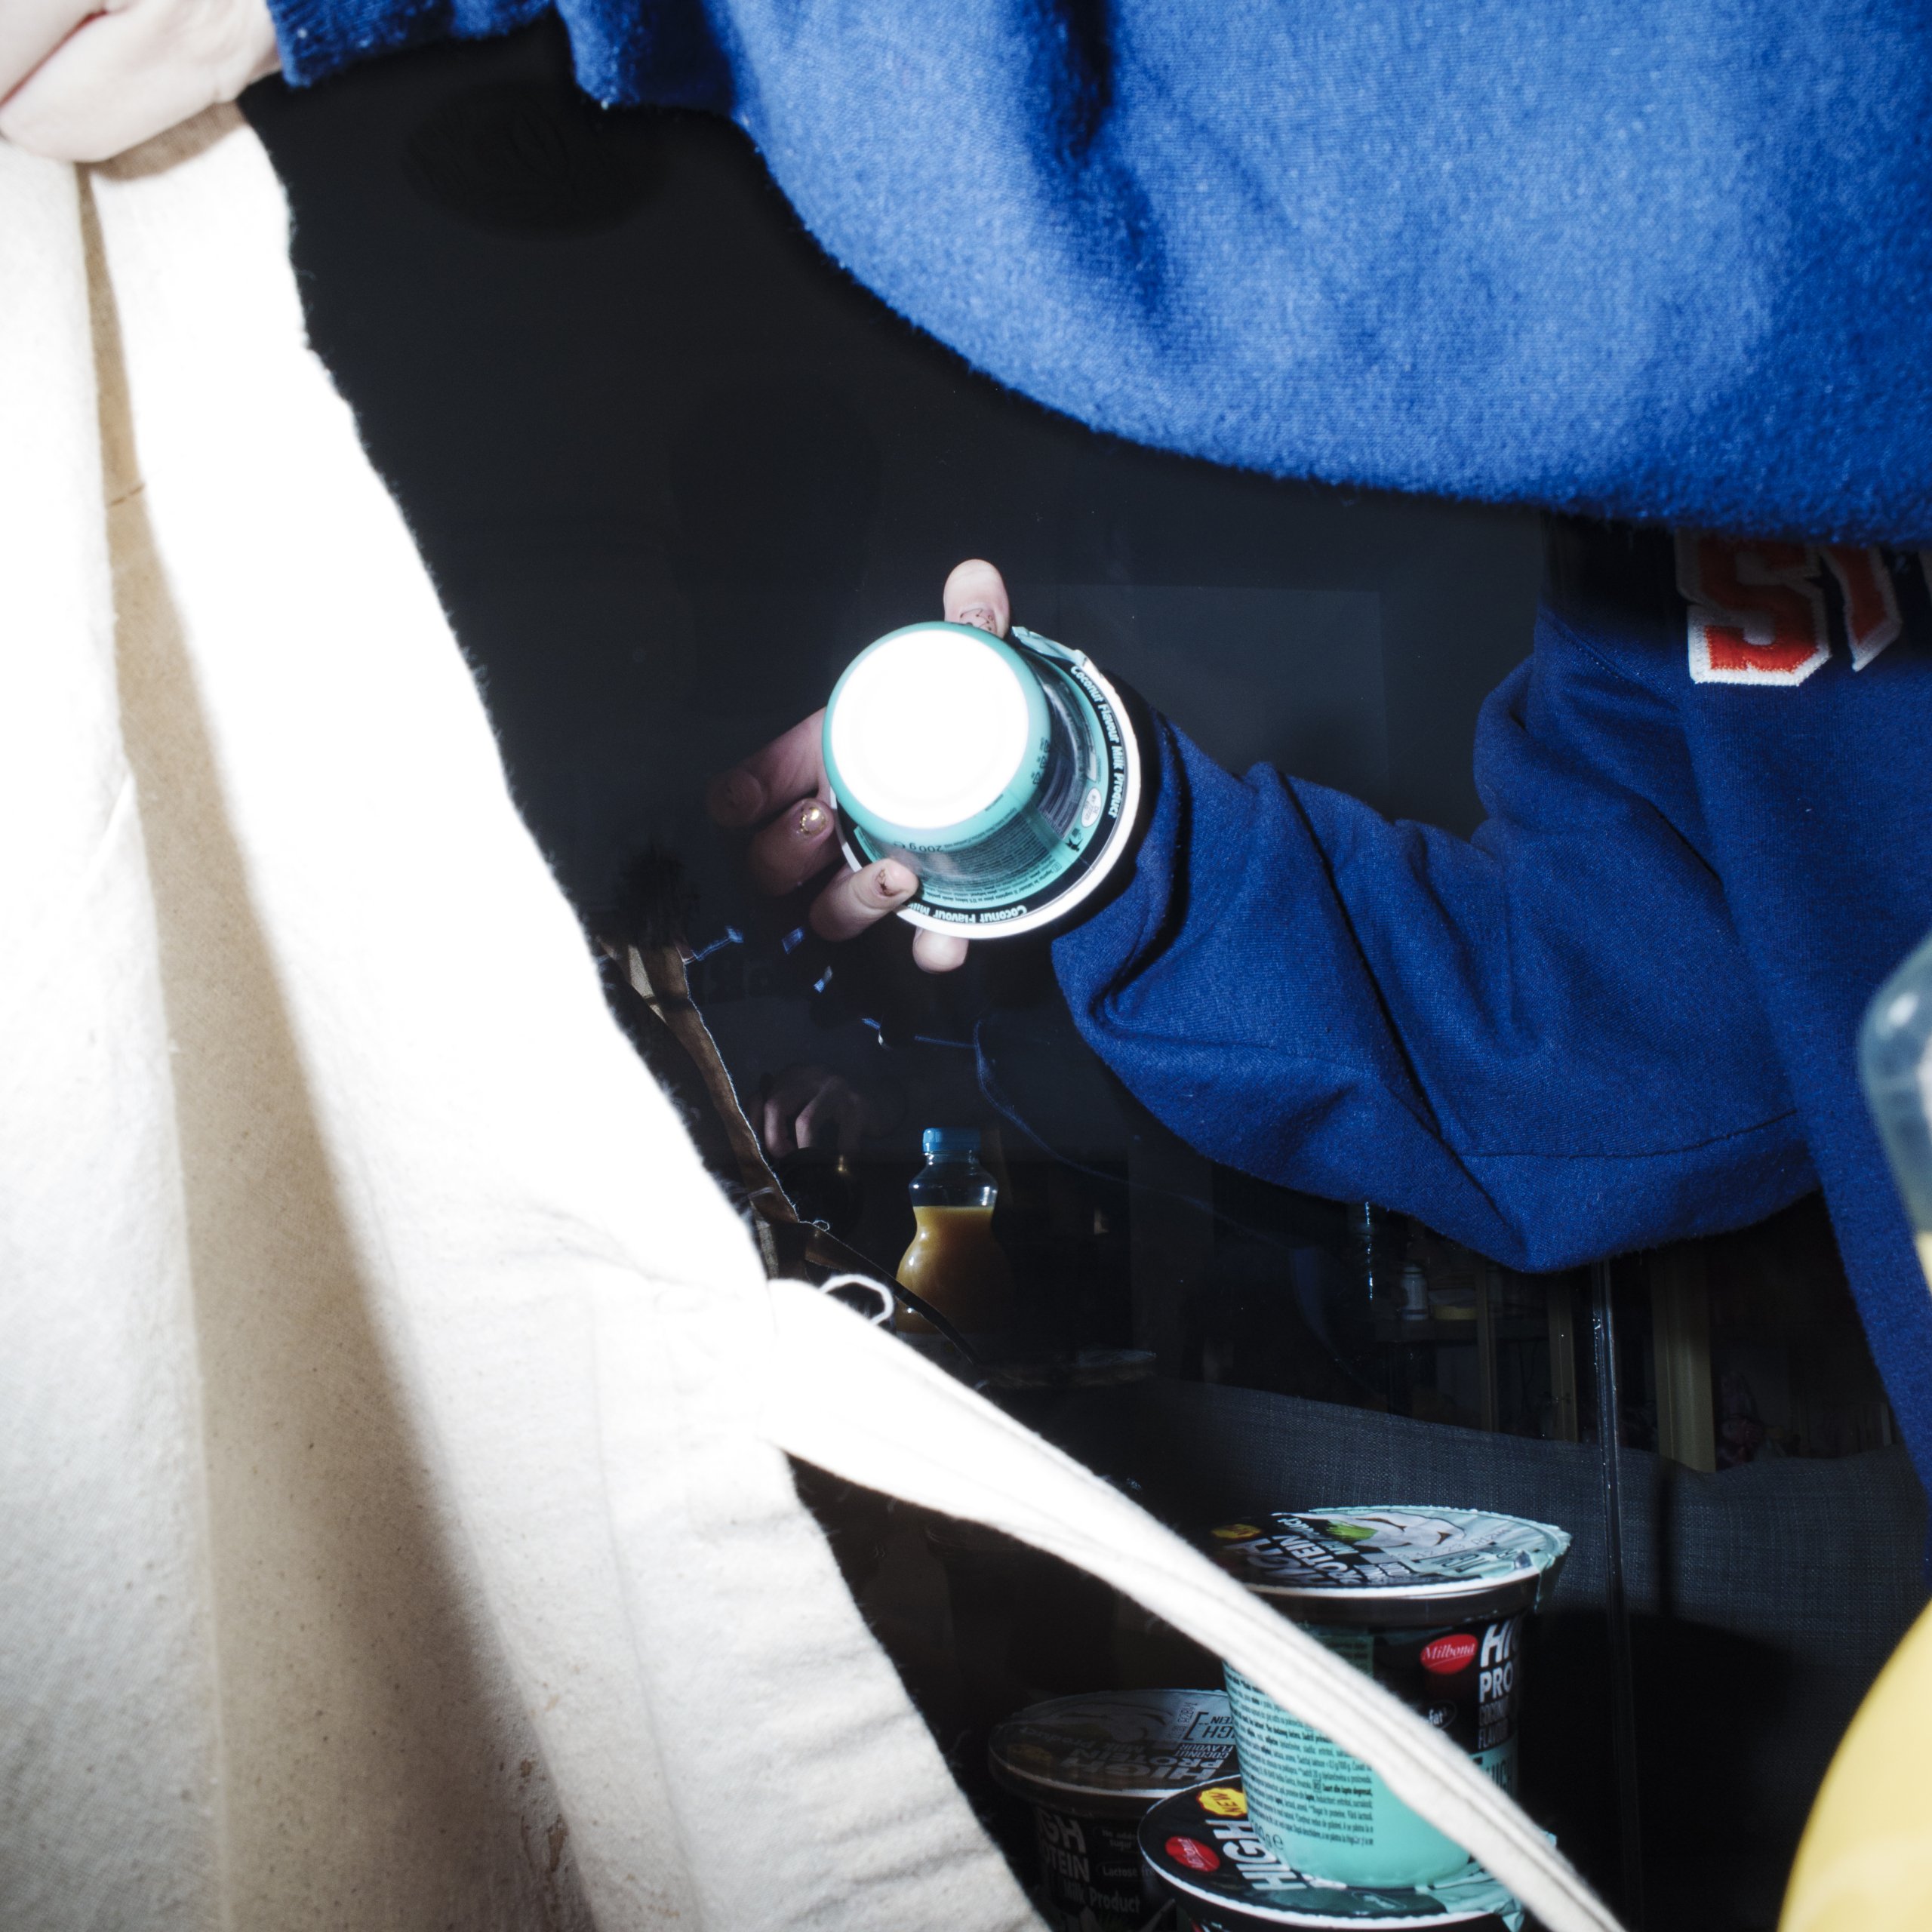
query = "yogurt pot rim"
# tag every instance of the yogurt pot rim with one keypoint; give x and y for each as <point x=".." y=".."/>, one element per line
<point x="1231" y="1901"/>
<point x="1514" y="1579"/>
<point x="1128" y="1801"/>
<point x="1118" y="779"/>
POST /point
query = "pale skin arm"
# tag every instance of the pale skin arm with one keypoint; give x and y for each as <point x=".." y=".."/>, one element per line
<point x="782" y="791"/>
<point x="80" y="80"/>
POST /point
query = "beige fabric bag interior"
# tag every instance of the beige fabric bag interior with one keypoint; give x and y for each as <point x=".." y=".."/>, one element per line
<point x="397" y="1532"/>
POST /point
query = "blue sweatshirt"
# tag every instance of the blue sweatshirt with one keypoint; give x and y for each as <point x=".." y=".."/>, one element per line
<point x="1661" y="259"/>
<point x="1625" y="1010"/>
<point x="1667" y="262"/>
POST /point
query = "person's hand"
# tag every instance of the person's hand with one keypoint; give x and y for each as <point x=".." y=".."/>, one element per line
<point x="80" y="80"/>
<point x="810" y="1106"/>
<point x="782" y="791"/>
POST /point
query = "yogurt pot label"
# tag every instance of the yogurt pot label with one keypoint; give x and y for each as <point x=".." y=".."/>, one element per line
<point x="1338" y="1815"/>
<point x="1432" y="1604"/>
<point x="1090" y="1766"/>
<point x="1089" y="1872"/>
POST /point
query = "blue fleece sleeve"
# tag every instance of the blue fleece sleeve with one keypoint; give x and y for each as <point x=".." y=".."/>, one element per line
<point x="317" y="37"/>
<point x="1545" y="1041"/>
<point x="1662" y="261"/>
<point x="624" y="51"/>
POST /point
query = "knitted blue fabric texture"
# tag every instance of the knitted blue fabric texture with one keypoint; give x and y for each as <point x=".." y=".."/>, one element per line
<point x="1667" y="261"/>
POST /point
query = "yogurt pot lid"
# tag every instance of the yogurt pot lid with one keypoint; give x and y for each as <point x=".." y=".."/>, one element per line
<point x="1405" y="1553"/>
<point x="1114" y="1750"/>
<point x="1199" y="1845"/>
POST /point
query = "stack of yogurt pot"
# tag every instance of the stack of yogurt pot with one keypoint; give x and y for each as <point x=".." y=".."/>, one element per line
<point x="1089" y="1766"/>
<point x="1432" y="1604"/>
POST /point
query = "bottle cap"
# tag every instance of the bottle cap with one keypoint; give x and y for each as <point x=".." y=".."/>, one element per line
<point x="941" y="1140"/>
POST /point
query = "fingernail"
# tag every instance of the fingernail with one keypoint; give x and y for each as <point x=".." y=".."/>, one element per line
<point x="981" y="617"/>
<point x="896" y="881"/>
<point x="812" y="819"/>
<point x="737" y="796"/>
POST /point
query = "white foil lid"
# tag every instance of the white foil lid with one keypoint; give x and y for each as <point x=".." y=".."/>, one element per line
<point x="1402" y="1551"/>
<point x="929" y="727"/>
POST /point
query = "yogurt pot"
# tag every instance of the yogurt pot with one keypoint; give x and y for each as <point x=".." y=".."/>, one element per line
<point x="1002" y="770"/>
<point x="1431" y="1603"/>
<point x="1090" y="1765"/>
<point x="1200" y="1848"/>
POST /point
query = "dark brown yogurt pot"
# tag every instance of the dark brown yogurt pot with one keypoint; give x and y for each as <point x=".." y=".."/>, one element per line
<point x="1089" y="1766"/>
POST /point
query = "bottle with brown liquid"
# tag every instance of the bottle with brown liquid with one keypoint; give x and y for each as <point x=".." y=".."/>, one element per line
<point x="954" y="1261"/>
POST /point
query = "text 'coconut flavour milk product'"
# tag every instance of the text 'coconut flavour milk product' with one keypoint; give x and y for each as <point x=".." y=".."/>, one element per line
<point x="1431" y="1603"/>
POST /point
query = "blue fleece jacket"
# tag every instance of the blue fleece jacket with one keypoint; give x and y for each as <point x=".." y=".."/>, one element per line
<point x="1667" y="261"/>
<point x="1624" y="1010"/>
<point x="1664" y="259"/>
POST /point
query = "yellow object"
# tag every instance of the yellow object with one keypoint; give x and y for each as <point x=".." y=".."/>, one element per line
<point x="955" y="1263"/>
<point x="1225" y="1801"/>
<point x="1865" y="1862"/>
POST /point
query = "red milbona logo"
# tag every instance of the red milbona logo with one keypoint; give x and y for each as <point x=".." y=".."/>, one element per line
<point x="1192" y="1853"/>
<point x="1445" y="1655"/>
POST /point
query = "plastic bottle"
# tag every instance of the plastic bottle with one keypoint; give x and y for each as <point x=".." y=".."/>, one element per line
<point x="1415" y="1292"/>
<point x="1895" y="1057"/>
<point x="954" y="1261"/>
<point x="1862" y="1865"/>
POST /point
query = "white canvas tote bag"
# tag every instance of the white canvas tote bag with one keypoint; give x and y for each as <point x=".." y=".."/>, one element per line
<point x="393" y="1417"/>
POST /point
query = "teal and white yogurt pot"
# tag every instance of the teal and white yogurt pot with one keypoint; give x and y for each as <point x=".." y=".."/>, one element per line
<point x="1200" y="1848"/>
<point x="1002" y="771"/>
<point x="1429" y="1602"/>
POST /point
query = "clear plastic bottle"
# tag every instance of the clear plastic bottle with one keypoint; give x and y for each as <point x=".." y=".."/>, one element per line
<point x="1862" y="1861"/>
<point x="954" y="1261"/>
<point x="1895" y="1057"/>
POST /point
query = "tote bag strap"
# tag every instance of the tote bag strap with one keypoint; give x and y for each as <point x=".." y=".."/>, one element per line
<point x="848" y="1399"/>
